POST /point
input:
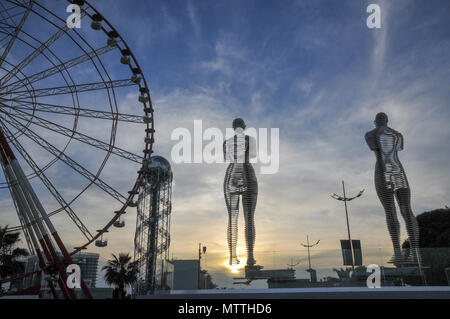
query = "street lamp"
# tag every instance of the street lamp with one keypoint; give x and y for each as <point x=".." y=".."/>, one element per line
<point x="345" y="200"/>
<point x="292" y="265"/>
<point x="310" y="270"/>
<point x="201" y="251"/>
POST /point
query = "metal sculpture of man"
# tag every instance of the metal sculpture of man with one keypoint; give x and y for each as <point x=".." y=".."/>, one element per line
<point x="240" y="180"/>
<point x="390" y="183"/>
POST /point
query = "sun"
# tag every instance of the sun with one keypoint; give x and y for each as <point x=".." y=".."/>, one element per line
<point x="235" y="268"/>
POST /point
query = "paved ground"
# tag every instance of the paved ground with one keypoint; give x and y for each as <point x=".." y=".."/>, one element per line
<point x="312" y="293"/>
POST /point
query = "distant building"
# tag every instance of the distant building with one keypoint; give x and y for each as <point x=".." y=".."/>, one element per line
<point x="88" y="263"/>
<point x="186" y="274"/>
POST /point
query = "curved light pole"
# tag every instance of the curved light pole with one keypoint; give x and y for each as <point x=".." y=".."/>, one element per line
<point x="345" y="200"/>
<point x="292" y="265"/>
<point x="310" y="270"/>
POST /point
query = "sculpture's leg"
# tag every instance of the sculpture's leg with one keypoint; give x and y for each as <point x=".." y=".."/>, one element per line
<point x="232" y="200"/>
<point x="404" y="201"/>
<point x="386" y="197"/>
<point x="249" y="203"/>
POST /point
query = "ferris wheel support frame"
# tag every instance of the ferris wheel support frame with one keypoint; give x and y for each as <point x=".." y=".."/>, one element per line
<point x="15" y="172"/>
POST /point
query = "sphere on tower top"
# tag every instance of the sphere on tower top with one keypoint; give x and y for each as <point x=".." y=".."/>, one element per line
<point x="159" y="162"/>
<point x="159" y="170"/>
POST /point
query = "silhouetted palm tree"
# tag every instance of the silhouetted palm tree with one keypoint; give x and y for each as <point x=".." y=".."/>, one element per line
<point x="9" y="254"/>
<point x="121" y="272"/>
<point x="343" y="273"/>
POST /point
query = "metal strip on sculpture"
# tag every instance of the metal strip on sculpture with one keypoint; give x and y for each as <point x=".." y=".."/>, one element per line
<point x="391" y="182"/>
<point x="240" y="181"/>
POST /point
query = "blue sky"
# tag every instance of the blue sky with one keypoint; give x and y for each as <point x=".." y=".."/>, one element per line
<point x="280" y="41"/>
<point x="312" y="69"/>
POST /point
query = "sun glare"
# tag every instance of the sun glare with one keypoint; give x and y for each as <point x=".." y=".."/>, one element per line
<point x="235" y="268"/>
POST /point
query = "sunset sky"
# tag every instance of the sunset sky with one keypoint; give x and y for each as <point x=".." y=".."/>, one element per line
<point x="314" y="70"/>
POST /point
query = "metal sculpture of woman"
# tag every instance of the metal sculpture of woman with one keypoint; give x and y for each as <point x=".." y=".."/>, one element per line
<point x="240" y="180"/>
<point x="391" y="182"/>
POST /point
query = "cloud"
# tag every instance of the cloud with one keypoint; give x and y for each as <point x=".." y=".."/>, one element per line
<point x="193" y="18"/>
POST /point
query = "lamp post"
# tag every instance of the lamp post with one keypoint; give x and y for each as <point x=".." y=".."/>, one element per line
<point x="201" y="251"/>
<point x="292" y="265"/>
<point x="345" y="200"/>
<point x="310" y="270"/>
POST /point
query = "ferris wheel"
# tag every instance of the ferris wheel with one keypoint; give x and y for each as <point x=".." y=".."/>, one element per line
<point x="76" y="124"/>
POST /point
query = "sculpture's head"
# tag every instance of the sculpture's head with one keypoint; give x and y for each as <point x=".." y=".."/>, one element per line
<point x="381" y="119"/>
<point x="238" y="123"/>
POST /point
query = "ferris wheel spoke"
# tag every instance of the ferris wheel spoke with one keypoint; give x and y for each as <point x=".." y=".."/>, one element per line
<point x="8" y="11"/>
<point x="61" y="109"/>
<point x="16" y="33"/>
<point x="11" y="15"/>
<point x="32" y="56"/>
<point x="48" y="184"/>
<point x="76" y="135"/>
<point x="5" y="11"/>
<point x="24" y="82"/>
<point x="58" y="68"/>
<point x="6" y="30"/>
<point x="44" y="46"/>
<point x="71" y="89"/>
<point x="94" y="179"/>
<point x="5" y="37"/>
